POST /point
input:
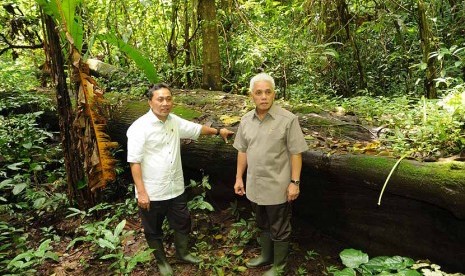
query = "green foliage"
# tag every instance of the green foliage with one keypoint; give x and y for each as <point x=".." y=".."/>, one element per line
<point x="23" y="146"/>
<point x="358" y="261"/>
<point x="141" y="61"/>
<point x="26" y="182"/>
<point x="25" y="262"/>
<point x="64" y="13"/>
<point x="12" y="240"/>
<point x="108" y="243"/>
<point x="18" y="75"/>
<point x="131" y="81"/>
<point x="426" y="128"/>
<point x="107" y="236"/>
<point x="198" y="202"/>
<point x="242" y="232"/>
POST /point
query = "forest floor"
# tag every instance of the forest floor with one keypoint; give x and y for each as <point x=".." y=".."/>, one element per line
<point x="80" y="260"/>
<point x="312" y="252"/>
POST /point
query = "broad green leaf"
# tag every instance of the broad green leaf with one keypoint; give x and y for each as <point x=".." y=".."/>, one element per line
<point x="44" y="246"/>
<point x="27" y="145"/>
<point x="106" y="244"/>
<point x="84" y="238"/>
<point x="345" y="272"/>
<point x="353" y="258"/>
<point x="35" y="167"/>
<point x="27" y="256"/>
<point x="141" y="257"/>
<point x="14" y="166"/>
<point x="75" y="212"/>
<point x="51" y="255"/>
<point x="77" y="32"/>
<point x="377" y="264"/>
<point x="120" y="227"/>
<point x="38" y="203"/>
<point x="73" y="22"/>
<point x="398" y="263"/>
<point x="141" y="61"/>
<point x="19" y="188"/>
<point x="409" y="272"/>
<point x="81" y="184"/>
<point x="108" y="235"/>
<point x="6" y="182"/>
<point x="238" y="252"/>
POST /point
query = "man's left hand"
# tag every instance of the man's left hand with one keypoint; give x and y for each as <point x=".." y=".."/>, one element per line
<point x="293" y="192"/>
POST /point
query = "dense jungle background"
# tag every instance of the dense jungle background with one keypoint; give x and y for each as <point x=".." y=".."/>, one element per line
<point x="394" y="68"/>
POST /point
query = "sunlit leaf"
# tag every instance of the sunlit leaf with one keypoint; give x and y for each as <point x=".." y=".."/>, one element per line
<point x="238" y="252"/>
<point x="19" y="188"/>
<point x="353" y="258"/>
<point x="229" y="120"/>
<point x="345" y="272"/>
<point x="14" y="166"/>
<point x="106" y="244"/>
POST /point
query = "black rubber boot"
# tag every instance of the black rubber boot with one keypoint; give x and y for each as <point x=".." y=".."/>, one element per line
<point x="281" y="250"/>
<point x="266" y="254"/>
<point x="181" y="243"/>
<point x="159" y="253"/>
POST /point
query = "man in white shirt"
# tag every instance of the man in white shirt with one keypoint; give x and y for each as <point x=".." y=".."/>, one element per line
<point x="154" y="154"/>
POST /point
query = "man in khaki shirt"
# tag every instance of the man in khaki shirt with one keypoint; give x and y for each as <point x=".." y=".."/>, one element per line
<point x="270" y="145"/>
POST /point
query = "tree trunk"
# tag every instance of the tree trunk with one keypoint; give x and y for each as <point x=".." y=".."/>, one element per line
<point x="69" y="140"/>
<point x="432" y="182"/>
<point x="187" y="44"/>
<point x="171" y="48"/>
<point x="345" y="21"/>
<point x="427" y="45"/>
<point x="211" y="79"/>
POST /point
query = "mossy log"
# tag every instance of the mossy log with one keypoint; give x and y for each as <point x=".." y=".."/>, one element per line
<point x="438" y="183"/>
<point x="422" y="213"/>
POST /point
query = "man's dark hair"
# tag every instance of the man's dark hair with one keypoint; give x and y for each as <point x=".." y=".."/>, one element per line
<point x="156" y="87"/>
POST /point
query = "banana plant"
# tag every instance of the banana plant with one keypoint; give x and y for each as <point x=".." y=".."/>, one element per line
<point x="94" y="144"/>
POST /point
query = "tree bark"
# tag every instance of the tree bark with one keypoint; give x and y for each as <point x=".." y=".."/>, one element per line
<point x="211" y="79"/>
<point x="69" y="140"/>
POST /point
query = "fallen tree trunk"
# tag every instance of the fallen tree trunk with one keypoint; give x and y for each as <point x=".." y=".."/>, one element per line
<point x="438" y="183"/>
<point x="422" y="213"/>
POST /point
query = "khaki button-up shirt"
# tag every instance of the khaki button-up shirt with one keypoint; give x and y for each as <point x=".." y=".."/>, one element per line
<point x="269" y="144"/>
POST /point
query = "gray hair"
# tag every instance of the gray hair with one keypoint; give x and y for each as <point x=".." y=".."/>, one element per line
<point x="261" y="77"/>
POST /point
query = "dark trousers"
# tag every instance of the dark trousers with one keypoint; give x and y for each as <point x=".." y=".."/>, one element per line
<point x="174" y="210"/>
<point x="275" y="219"/>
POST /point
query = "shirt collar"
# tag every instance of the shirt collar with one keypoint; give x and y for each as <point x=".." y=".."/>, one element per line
<point x="271" y="112"/>
<point x="154" y="119"/>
